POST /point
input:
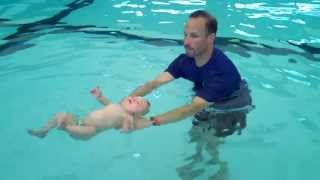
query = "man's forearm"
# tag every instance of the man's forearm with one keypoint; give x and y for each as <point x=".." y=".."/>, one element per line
<point x="179" y="113"/>
<point x="144" y="89"/>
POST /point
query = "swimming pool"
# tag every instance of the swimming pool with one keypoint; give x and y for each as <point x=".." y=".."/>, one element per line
<point x="53" y="52"/>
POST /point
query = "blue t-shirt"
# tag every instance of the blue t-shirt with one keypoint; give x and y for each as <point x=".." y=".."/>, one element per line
<point x="214" y="81"/>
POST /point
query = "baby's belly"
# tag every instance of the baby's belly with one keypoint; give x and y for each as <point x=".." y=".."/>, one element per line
<point x="102" y="120"/>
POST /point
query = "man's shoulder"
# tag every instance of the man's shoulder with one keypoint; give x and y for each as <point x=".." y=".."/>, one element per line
<point x="179" y="60"/>
<point x="221" y="59"/>
<point x="217" y="53"/>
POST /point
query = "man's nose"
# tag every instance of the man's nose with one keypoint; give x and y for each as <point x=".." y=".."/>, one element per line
<point x="186" y="41"/>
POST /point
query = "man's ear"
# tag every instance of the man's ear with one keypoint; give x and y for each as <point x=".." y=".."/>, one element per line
<point x="212" y="36"/>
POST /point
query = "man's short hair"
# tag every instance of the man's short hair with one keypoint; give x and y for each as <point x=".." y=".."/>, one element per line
<point x="211" y="24"/>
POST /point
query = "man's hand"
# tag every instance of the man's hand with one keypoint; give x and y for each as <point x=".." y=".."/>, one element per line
<point x="142" y="123"/>
<point x="145" y="89"/>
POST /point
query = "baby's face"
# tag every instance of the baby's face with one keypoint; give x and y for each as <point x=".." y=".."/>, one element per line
<point x="135" y="104"/>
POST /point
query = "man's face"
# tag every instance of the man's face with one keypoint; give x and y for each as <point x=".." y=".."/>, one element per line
<point x="196" y="39"/>
<point x="135" y="104"/>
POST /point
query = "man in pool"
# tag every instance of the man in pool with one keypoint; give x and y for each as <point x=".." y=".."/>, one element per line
<point x="222" y="99"/>
<point x="126" y="116"/>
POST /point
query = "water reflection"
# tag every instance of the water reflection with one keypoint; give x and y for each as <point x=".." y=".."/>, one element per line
<point x="196" y="165"/>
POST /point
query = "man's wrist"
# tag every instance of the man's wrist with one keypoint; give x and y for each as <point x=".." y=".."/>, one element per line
<point x="155" y="121"/>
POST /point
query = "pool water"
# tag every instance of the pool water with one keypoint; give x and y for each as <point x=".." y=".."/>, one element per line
<point x="52" y="53"/>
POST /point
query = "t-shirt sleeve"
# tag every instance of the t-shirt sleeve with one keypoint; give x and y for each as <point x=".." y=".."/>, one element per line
<point x="175" y="67"/>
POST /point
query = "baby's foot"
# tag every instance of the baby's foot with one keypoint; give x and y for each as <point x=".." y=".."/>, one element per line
<point x="38" y="133"/>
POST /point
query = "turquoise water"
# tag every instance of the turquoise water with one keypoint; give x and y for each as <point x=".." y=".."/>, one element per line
<point x="53" y="52"/>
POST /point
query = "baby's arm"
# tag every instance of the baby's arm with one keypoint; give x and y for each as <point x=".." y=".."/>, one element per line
<point x="99" y="96"/>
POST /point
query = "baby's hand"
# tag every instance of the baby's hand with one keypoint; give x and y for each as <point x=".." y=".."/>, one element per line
<point x="96" y="92"/>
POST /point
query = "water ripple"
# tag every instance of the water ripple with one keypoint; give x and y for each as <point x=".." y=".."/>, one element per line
<point x="247" y="25"/>
<point x="159" y="3"/>
<point x="298" y="21"/>
<point x="315" y="77"/>
<point x="137" y="13"/>
<point x="243" y="33"/>
<point x="280" y="26"/>
<point x="190" y="2"/>
<point x="127" y="4"/>
<point x="166" y="22"/>
<point x="266" y="15"/>
<point x="294" y="73"/>
<point x="283" y="8"/>
<point x="14" y="9"/>
<point x="299" y="81"/>
<point x="266" y="85"/>
<point x="172" y="11"/>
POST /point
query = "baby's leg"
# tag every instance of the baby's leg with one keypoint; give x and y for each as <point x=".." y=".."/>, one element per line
<point x="58" y="120"/>
<point x="82" y="132"/>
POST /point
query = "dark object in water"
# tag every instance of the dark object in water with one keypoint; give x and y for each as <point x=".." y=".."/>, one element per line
<point x="291" y="60"/>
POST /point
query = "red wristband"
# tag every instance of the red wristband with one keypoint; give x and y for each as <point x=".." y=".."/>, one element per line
<point x="155" y="121"/>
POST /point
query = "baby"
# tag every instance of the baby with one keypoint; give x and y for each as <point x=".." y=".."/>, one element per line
<point x="119" y="116"/>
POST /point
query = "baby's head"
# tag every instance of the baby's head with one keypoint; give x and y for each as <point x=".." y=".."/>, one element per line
<point x="136" y="105"/>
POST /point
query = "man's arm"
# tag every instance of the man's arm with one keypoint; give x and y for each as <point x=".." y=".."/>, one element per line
<point x="145" y="89"/>
<point x="180" y="113"/>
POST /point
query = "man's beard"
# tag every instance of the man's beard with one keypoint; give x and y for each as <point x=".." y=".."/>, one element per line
<point x="189" y="51"/>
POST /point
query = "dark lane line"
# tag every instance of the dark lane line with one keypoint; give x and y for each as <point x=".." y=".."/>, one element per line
<point x="26" y="32"/>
